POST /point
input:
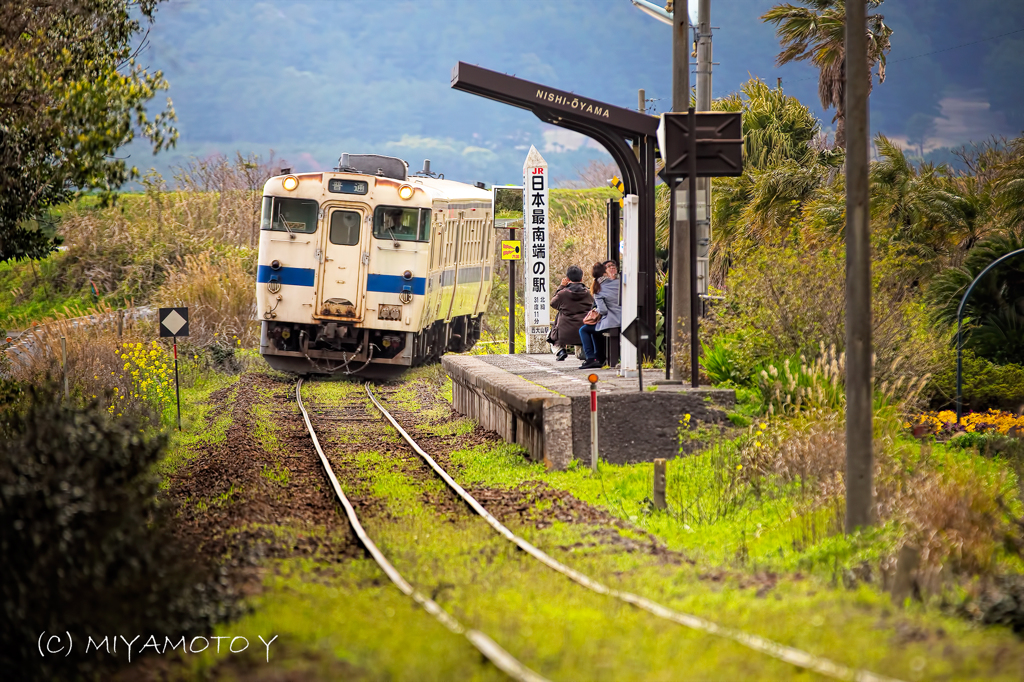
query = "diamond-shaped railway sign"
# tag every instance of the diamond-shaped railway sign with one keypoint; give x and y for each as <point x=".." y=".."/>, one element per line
<point x="637" y="332"/>
<point x="174" y="322"/>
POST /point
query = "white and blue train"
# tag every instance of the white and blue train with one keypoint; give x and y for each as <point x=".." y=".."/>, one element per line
<point x="367" y="267"/>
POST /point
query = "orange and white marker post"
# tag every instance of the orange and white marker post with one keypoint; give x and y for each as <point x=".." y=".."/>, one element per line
<point x="593" y="421"/>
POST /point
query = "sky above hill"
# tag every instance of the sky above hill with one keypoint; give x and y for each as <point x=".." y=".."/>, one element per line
<point x="311" y="79"/>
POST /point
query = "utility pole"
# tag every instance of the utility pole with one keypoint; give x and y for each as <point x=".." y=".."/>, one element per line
<point x="703" y="184"/>
<point x="859" y="458"/>
<point x="679" y="235"/>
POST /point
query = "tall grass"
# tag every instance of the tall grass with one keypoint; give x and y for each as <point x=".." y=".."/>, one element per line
<point x="128" y="250"/>
<point x="111" y="358"/>
<point x="218" y="289"/>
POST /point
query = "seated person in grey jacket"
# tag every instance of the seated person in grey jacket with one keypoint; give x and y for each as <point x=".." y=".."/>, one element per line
<point x="606" y="298"/>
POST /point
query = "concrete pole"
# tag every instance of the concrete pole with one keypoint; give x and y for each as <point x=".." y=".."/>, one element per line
<point x="859" y="459"/>
<point x="703" y="104"/>
<point x="704" y="55"/>
<point x="679" y="264"/>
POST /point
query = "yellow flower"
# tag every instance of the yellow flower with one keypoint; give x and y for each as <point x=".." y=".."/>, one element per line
<point x="762" y="426"/>
<point x="757" y="443"/>
<point x="739" y="467"/>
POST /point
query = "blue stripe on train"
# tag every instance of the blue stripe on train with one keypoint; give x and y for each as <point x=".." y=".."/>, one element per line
<point x="393" y="284"/>
<point x="300" y="277"/>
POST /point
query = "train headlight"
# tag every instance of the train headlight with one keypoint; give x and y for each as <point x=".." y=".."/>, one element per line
<point x="275" y="265"/>
<point x="407" y="275"/>
<point x="405" y="191"/>
<point x="290" y="183"/>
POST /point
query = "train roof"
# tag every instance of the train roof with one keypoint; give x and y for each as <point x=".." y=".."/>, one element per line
<point x="449" y="190"/>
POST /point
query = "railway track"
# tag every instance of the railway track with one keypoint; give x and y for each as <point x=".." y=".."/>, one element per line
<point x="491" y="650"/>
<point x="501" y="658"/>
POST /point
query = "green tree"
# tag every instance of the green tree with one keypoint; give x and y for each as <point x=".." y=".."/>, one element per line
<point x="916" y="212"/>
<point x="783" y="166"/>
<point x="71" y="95"/>
<point x="817" y="32"/>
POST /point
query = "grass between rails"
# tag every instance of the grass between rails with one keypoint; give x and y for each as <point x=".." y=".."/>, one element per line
<point x="552" y="625"/>
<point x="345" y="619"/>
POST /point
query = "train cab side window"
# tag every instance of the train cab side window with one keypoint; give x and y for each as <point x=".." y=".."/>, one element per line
<point x="345" y="228"/>
<point x="289" y="215"/>
<point x="401" y="224"/>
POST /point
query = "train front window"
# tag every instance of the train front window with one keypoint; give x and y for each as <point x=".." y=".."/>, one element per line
<point x="288" y="215"/>
<point x="345" y="228"/>
<point x="401" y="224"/>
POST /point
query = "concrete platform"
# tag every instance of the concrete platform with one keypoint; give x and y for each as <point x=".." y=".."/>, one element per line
<point x="544" y="405"/>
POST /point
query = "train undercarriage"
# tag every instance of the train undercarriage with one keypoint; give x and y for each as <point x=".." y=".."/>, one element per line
<point x="339" y="348"/>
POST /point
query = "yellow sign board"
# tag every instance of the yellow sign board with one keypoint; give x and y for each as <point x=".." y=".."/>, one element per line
<point x="511" y="250"/>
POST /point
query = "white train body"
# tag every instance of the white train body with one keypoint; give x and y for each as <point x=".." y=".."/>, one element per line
<point x="358" y="270"/>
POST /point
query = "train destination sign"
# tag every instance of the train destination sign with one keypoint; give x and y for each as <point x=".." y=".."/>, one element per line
<point x="339" y="186"/>
<point x="511" y="249"/>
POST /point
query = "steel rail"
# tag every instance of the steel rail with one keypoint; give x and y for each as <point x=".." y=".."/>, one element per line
<point x="760" y="644"/>
<point x="491" y="650"/>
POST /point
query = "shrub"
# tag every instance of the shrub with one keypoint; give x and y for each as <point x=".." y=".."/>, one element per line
<point x="792" y="384"/>
<point x="783" y="301"/>
<point x="86" y="546"/>
<point x="985" y="385"/>
<point x="973" y="423"/>
<point x="951" y="509"/>
<point x="719" y="361"/>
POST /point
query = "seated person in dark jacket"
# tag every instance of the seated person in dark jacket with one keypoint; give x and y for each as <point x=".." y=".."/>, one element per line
<point x="573" y="302"/>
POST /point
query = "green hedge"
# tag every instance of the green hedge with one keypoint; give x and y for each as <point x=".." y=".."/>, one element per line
<point x="86" y="546"/>
<point x="985" y="385"/>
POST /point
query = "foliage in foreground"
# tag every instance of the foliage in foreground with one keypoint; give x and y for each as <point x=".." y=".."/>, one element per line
<point x="87" y="548"/>
<point x="71" y="95"/>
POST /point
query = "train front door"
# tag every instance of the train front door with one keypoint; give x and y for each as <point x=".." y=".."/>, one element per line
<point x="344" y="254"/>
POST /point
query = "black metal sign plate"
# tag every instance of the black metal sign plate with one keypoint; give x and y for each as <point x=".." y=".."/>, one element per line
<point x="719" y="137"/>
<point x="638" y="333"/>
<point x="174" y="322"/>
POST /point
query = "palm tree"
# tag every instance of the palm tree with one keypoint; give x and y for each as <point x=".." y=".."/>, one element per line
<point x="817" y="32"/>
<point x="782" y="167"/>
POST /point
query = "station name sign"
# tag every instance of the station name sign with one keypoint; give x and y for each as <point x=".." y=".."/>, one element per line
<point x="529" y="95"/>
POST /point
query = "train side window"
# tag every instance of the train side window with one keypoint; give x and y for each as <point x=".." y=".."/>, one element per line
<point x="345" y="228"/>
<point x="289" y="215"/>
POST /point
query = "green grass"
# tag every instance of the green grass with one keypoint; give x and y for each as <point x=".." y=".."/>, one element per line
<point x="200" y="428"/>
<point x="28" y="292"/>
<point x="358" y="619"/>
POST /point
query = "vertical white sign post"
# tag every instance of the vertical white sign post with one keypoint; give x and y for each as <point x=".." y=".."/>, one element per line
<point x="628" y="287"/>
<point x="535" y="229"/>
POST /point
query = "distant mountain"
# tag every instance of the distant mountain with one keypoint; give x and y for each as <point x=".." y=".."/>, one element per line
<point x="313" y="78"/>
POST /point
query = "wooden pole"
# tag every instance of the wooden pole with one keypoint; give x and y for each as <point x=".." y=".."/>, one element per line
<point x="859" y="456"/>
